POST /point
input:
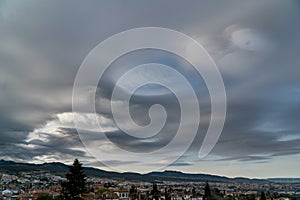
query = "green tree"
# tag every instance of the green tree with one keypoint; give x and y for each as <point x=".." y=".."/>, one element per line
<point x="45" y="197"/>
<point x="262" y="196"/>
<point x="48" y="197"/>
<point x="133" y="193"/>
<point x="75" y="184"/>
<point x="168" y="193"/>
<point x="207" y="192"/>
<point x="155" y="192"/>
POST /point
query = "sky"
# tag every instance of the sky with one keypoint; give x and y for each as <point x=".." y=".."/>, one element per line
<point x="254" y="44"/>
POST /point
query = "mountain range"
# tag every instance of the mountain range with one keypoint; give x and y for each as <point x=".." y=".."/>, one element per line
<point x="61" y="169"/>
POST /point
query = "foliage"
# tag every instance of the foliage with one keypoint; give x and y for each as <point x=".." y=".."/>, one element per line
<point x="168" y="193"/>
<point x="262" y="196"/>
<point x="45" y="197"/>
<point x="101" y="190"/>
<point x="207" y="192"/>
<point x="75" y="184"/>
<point x="133" y="193"/>
<point x="155" y="192"/>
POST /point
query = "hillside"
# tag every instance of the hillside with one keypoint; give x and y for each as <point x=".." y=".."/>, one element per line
<point x="60" y="169"/>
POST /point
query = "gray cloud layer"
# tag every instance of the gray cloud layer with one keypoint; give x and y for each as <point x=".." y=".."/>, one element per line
<point x="255" y="45"/>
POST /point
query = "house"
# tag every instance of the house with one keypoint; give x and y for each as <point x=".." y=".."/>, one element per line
<point x="122" y="194"/>
<point x="7" y="194"/>
<point x="112" y="196"/>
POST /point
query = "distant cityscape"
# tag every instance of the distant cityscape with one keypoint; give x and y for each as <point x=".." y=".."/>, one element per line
<point x="41" y="184"/>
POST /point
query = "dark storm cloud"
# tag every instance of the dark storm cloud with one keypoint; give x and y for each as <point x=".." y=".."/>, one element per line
<point x="56" y="146"/>
<point x="42" y="45"/>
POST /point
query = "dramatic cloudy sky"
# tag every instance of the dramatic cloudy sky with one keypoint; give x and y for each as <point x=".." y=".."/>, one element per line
<point x="255" y="45"/>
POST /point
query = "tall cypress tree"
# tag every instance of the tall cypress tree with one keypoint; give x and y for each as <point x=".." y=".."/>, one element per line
<point x="207" y="193"/>
<point x="262" y="196"/>
<point x="155" y="192"/>
<point x="75" y="184"/>
<point x="168" y="194"/>
<point x="133" y="193"/>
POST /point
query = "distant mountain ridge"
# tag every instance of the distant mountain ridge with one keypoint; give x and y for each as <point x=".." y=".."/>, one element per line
<point x="168" y="175"/>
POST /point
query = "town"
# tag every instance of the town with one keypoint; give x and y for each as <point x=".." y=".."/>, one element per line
<point x="44" y="185"/>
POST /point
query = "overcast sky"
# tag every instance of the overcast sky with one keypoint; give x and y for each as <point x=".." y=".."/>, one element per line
<point x="255" y="45"/>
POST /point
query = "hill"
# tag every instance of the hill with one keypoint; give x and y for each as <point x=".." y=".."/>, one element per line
<point x="61" y="169"/>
